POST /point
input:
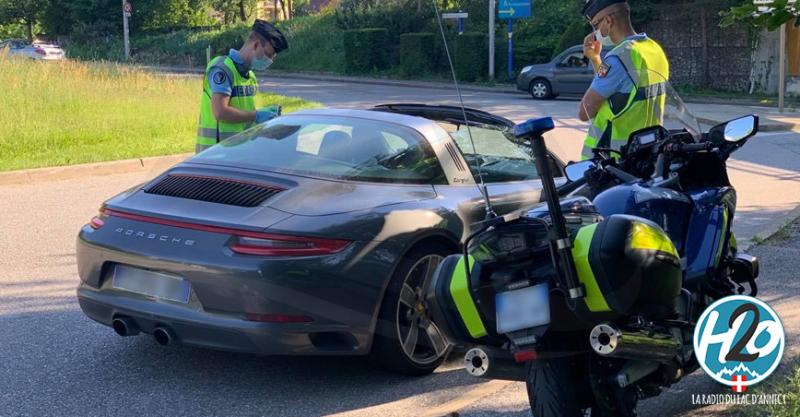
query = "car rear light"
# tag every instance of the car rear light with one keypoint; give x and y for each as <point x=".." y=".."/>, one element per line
<point x="252" y="243"/>
<point x="287" y="246"/>
<point x="40" y="51"/>
<point x="278" y="318"/>
<point x="99" y="220"/>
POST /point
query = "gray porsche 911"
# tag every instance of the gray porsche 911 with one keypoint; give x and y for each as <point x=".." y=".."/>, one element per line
<point x="311" y="234"/>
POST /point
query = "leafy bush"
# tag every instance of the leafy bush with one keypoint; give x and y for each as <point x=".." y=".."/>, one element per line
<point x="470" y="56"/>
<point x="418" y="54"/>
<point x="365" y="49"/>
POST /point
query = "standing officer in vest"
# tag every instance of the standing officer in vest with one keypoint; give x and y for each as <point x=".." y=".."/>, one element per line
<point x="228" y="104"/>
<point x="628" y="92"/>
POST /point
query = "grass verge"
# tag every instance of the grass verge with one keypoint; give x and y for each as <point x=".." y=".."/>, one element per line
<point x="63" y="113"/>
<point x="787" y="383"/>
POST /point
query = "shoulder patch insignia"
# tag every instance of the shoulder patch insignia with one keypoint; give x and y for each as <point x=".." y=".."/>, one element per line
<point x="220" y="77"/>
<point x="603" y="71"/>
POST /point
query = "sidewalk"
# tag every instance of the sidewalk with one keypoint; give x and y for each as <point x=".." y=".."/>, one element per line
<point x="770" y="119"/>
<point x="709" y="111"/>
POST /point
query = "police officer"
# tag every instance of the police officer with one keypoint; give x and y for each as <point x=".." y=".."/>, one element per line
<point x="228" y="104"/>
<point x="628" y="91"/>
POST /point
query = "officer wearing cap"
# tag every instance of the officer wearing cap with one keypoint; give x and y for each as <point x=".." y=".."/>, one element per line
<point x="228" y="104"/>
<point x="627" y="93"/>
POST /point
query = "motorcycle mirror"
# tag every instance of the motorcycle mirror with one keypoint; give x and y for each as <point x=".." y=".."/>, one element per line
<point x="740" y="129"/>
<point x="576" y="170"/>
<point x="735" y="130"/>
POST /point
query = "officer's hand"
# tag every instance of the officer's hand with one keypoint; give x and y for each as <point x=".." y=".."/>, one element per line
<point x="275" y="109"/>
<point x="265" y="115"/>
<point x="591" y="46"/>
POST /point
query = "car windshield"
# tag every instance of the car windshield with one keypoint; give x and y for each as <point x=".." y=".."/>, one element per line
<point x="332" y="147"/>
<point x="498" y="157"/>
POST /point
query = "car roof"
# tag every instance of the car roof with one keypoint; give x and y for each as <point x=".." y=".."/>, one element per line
<point x="417" y="123"/>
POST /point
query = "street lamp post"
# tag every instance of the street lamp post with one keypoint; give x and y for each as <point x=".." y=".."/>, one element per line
<point x="492" y="11"/>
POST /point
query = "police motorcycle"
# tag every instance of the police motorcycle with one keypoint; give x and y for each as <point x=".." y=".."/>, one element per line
<point x="592" y="297"/>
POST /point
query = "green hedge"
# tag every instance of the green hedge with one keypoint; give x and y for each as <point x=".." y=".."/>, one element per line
<point x="365" y="50"/>
<point x="471" y="50"/>
<point x="418" y="53"/>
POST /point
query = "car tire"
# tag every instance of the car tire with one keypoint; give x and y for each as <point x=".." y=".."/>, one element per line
<point x="397" y="319"/>
<point x="540" y="89"/>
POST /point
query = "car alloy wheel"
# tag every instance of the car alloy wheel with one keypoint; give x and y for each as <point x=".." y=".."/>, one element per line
<point x="421" y="339"/>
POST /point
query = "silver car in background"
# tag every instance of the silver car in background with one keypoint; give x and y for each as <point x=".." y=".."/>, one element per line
<point x="36" y="50"/>
<point x="568" y="73"/>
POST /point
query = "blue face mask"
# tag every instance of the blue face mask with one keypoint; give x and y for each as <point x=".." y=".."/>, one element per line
<point x="261" y="64"/>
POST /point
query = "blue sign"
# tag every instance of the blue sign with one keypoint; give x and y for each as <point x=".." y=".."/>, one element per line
<point x="515" y="9"/>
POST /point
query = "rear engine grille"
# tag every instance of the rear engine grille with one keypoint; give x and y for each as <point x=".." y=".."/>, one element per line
<point x="214" y="190"/>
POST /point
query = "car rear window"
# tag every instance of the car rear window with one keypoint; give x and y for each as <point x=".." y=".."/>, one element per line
<point x="491" y="152"/>
<point x="333" y="147"/>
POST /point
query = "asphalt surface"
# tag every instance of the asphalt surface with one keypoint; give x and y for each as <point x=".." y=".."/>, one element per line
<point x="56" y="362"/>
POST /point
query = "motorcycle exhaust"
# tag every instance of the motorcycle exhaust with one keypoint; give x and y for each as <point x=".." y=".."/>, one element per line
<point x="124" y="326"/>
<point x="610" y="341"/>
<point x="488" y="363"/>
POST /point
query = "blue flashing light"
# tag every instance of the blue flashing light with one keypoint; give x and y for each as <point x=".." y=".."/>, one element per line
<point x="534" y="127"/>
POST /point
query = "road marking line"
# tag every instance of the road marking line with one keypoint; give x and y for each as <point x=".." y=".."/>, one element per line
<point x="469" y="397"/>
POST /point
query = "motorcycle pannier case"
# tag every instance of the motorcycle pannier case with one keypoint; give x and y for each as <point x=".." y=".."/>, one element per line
<point x="629" y="266"/>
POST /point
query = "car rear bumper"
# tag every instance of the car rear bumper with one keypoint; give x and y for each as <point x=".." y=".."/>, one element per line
<point x="339" y="293"/>
<point x="192" y="327"/>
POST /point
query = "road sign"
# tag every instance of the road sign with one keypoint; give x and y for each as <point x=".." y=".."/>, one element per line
<point x="515" y="9"/>
<point x="127" y="8"/>
<point x="455" y="15"/>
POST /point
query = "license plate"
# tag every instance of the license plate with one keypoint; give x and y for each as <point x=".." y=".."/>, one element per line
<point x="154" y="284"/>
<point x="523" y="309"/>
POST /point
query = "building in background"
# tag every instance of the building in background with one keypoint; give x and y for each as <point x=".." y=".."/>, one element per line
<point x="317" y="5"/>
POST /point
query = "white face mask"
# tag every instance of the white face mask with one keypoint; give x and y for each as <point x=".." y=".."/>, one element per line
<point x="605" y="40"/>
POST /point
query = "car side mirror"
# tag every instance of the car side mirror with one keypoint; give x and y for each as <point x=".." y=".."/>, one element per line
<point x="576" y="170"/>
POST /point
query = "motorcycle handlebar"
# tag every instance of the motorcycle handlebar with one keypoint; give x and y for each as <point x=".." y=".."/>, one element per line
<point x="688" y="147"/>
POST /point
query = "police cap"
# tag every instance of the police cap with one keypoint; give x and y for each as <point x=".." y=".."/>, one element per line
<point x="269" y="32"/>
<point x="593" y="7"/>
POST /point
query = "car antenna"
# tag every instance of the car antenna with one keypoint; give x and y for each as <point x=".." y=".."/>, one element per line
<point x="490" y="214"/>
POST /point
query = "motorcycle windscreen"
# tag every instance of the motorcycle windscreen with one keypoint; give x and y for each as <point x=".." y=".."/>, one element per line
<point x="645" y="99"/>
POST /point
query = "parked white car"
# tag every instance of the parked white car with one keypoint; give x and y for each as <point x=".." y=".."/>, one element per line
<point x="36" y="50"/>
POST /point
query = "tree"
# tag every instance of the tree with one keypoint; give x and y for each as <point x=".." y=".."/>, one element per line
<point x="26" y="12"/>
<point x="776" y="14"/>
<point x="235" y="10"/>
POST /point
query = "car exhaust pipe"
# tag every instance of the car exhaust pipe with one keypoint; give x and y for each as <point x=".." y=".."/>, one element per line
<point x="163" y="336"/>
<point x="488" y="363"/>
<point x="125" y="326"/>
<point x="610" y="341"/>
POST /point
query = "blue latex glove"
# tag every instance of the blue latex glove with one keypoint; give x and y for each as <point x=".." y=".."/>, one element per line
<point x="275" y="109"/>
<point x="263" y="116"/>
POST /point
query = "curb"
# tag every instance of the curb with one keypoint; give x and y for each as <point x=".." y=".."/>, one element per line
<point x="39" y="175"/>
<point x="764" y="127"/>
<point x="772" y="230"/>
<point x="278" y="74"/>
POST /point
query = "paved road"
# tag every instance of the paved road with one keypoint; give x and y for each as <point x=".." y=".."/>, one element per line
<point x="54" y="361"/>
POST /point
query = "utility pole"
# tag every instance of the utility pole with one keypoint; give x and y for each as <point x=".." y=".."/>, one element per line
<point x="126" y="13"/>
<point x="782" y="68"/>
<point x="492" y="11"/>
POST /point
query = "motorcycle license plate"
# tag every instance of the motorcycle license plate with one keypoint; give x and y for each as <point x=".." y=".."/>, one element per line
<point x="150" y="283"/>
<point x="523" y="309"/>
